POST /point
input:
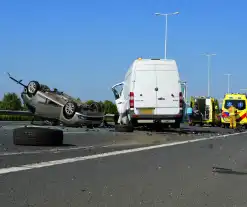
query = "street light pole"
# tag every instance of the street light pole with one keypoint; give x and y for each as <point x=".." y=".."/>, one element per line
<point x="228" y="82"/>
<point x="209" y="55"/>
<point x="166" y="27"/>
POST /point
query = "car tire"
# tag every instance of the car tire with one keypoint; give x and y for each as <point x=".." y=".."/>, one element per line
<point x="33" y="87"/>
<point x="69" y="109"/>
<point x="37" y="136"/>
<point x="95" y="107"/>
<point x="124" y="128"/>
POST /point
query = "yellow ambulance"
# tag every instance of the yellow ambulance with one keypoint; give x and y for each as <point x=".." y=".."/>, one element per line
<point x="239" y="101"/>
<point x="209" y="111"/>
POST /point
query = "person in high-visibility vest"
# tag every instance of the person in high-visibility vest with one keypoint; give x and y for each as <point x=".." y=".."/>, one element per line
<point x="232" y="115"/>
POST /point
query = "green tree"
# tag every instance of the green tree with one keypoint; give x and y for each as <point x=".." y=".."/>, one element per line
<point x="11" y="101"/>
<point x="89" y="102"/>
<point x="109" y="107"/>
<point x="101" y="105"/>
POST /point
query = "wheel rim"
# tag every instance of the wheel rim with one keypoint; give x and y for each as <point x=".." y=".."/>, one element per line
<point x="69" y="108"/>
<point x="94" y="107"/>
<point x="32" y="87"/>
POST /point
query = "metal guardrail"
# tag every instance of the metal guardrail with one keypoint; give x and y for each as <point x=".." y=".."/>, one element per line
<point x="109" y="115"/>
<point x="28" y="113"/>
<point x="10" y="112"/>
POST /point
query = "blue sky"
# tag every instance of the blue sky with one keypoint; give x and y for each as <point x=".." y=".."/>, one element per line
<point x="84" y="47"/>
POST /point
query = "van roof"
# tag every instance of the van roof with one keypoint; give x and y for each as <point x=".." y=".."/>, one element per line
<point x="235" y="96"/>
<point x="203" y="97"/>
<point x="156" y="60"/>
<point x="144" y="64"/>
<point x="171" y="63"/>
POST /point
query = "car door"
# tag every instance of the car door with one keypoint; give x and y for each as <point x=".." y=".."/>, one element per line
<point x="120" y="101"/>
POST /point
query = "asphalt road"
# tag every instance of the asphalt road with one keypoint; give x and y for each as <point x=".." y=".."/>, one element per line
<point x="89" y="170"/>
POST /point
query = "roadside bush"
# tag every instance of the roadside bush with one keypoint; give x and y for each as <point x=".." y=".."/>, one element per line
<point x="15" y="118"/>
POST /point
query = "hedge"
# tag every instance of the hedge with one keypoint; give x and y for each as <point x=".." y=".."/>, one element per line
<point x="29" y="118"/>
<point x="15" y="118"/>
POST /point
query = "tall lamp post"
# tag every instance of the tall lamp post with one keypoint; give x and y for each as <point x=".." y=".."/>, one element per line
<point x="209" y="55"/>
<point x="166" y="16"/>
<point x="228" y="82"/>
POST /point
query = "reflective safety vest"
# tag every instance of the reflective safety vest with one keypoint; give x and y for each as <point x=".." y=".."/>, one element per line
<point x="232" y="111"/>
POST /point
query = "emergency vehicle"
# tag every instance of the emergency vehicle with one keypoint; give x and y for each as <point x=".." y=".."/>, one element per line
<point x="239" y="101"/>
<point x="209" y="111"/>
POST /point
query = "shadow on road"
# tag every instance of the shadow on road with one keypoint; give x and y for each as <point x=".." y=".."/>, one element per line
<point x="187" y="131"/>
<point x="227" y="171"/>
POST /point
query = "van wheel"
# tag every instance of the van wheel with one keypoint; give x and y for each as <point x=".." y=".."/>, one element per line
<point x="116" y="116"/>
<point x="176" y="125"/>
<point x="124" y="128"/>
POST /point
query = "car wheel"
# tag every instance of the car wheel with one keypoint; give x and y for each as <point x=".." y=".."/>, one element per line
<point x="94" y="107"/>
<point x="37" y="136"/>
<point x="124" y="128"/>
<point x="69" y="109"/>
<point x="33" y="87"/>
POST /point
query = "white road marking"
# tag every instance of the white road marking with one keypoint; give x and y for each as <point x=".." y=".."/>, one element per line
<point x="107" y="154"/>
<point x="59" y="150"/>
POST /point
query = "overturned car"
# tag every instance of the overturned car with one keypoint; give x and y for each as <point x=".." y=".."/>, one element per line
<point x="57" y="107"/>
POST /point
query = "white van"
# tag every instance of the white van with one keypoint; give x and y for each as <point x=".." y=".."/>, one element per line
<point x="150" y="93"/>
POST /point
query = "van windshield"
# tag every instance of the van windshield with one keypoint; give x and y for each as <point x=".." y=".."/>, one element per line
<point x="238" y="104"/>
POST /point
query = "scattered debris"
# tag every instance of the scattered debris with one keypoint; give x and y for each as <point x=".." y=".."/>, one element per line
<point x="211" y="146"/>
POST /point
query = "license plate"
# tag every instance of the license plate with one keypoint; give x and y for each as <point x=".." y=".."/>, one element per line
<point x="167" y="121"/>
<point x="146" y="111"/>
